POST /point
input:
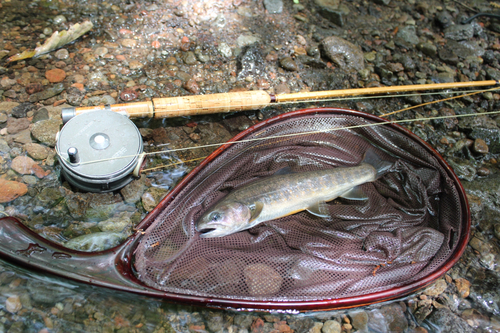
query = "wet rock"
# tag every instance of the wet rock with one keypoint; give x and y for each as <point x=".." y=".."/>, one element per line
<point x="10" y="190"/>
<point x="22" y="137"/>
<point x="47" y="93"/>
<point x="99" y="100"/>
<point x="33" y="88"/>
<point x="389" y="318"/>
<point x="288" y="64"/>
<point x="225" y="50"/>
<point x="444" y="19"/>
<point x="262" y="280"/>
<point x="132" y="192"/>
<point x="129" y="43"/>
<point x="274" y="6"/>
<point x="459" y="32"/>
<point x="428" y="49"/>
<point x="3" y="118"/>
<point x="152" y="197"/>
<point x="359" y="320"/>
<point x="4" y="147"/>
<point x="343" y="53"/>
<point x="22" y="109"/>
<point x="444" y="77"/>
<point x="55" y="75"/>
<point x="15" y="125"/>
<point x="45" y="131"/>
<point x="101" y="51"/>
<point x="466" y="48"/>
<point x="484" y="292"/>
<point x="192" y="86"/>
<point x="98" y="241"/>
<point x="408" y="34"/>
<point x="202" y="57"/>
<point x="119" y="224"/>
<point x="330" y="9"/>
<point x="40" y="114"/>
<point x="493" y="73"/>
<point x="135" y="64"/>
<point x="189" y="58"/>
<point x="23" y="165"/>
<point x="129" y="94"/>
<point x="463" y="168"/>
<point x="479" y="146"/>
<point x="62" y="54"/>
<point x="448" y="56"/>
<point x="463" y="287"/>
<point x="331" y="326"/>
<point x="247" y="40"/>
<point x="491" y="136"/>
<point x="250" y="62"/>
<point x="447" y="321"/>
<point x="74" y="96"/>
<point x="13" y="304"/>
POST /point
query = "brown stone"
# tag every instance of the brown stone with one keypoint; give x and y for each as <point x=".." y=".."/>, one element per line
<point x="55" y="75"/>
<point x="23" y="165"/>
<point x="480" y="146"/>
<point x="463" y="287"/>
<point x="10" y="190"/>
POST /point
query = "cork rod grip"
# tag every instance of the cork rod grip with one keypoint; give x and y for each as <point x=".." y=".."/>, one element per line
<point x="207" y="104"/>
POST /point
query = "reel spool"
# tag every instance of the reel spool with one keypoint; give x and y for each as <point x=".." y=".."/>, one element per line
<point x="100" y="151"/>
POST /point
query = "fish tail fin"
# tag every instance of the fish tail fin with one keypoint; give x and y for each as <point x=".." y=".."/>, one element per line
<point x="378" y="163"/>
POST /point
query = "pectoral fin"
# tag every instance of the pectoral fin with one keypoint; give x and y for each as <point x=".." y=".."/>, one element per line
<point x="256" y="210"/>
<point x="355" y="193"/>
<point x="319" y="209"/>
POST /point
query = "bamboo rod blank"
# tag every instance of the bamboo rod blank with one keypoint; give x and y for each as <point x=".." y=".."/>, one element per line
<point x="248" y="100"/>
<point x="379" y="90"/>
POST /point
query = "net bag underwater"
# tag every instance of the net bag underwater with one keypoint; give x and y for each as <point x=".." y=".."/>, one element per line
<point x="412" y="228"/>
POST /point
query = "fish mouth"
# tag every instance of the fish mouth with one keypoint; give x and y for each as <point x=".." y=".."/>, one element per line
<point x="206" y="230"/>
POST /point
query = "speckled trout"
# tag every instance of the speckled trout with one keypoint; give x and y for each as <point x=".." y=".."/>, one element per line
<point x="285" y="194"/>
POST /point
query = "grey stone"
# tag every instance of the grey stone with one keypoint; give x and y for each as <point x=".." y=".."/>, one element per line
<point x="428" y="49"/>
<point x="4" y="146"/>
<point x="493" y="73"/>
<point x="490" y="136"/>
<point x="408" y="34"/>
<point x="332" y="11"/>
<point x="343" y="53"/>
<point x="45" y="131"/>
<point x="448" y="56"/>
<point x="447" y="321"/>
<point x="225" y="50"/>
<point x="274" y="6"/>
<point x="46" y="94"/>
<point x="16" y="125"/>
<point x="466" y="48"/>
<point x="189" y="58"/>
<point x="444" y="19"/>
<point x="247" y="39"/>
<point x="459" y="32"/>
<point x="40" y="114"/>
<point x="22" y="109"/>
<point x="288" y="64"/>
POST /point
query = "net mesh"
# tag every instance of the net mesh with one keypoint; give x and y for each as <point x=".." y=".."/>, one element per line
<point x="408" y="227"/>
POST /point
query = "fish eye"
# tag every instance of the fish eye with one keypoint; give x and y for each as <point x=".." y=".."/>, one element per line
<point x="215" y="216"/>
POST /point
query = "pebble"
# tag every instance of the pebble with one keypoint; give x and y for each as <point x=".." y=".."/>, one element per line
<point x="62" y="54"/>
<point x="480" y="146"/>
<point x="55" y="75"/>
<point x="134" y="64"/>
<point x="247" y="40"/>
<point x="101" y="51"/>
<point x="189" y="58"/>
<point x="47" y="93"/>
<point x="436" y="289"/>
<point x="45" y="131"/>
<point x="129" y="43"/>
<point x="128" y="95"/>
<point x="225" y="50"/>
<point x="192" y="86"/>
<point x="33" y="88"/>
<point x="16" y="125"/>
<point x="13" y="304"/>
<point x="10" y="190"/>
<point x="463" y="287"/>
<point x="274" y="6"/>
<point x="359" y="320"/>
<point x="36" y="151"/>
<point x="343" y="53"/>
<point x="22" y="109"/>
<point x="152" y="197"/>
<point x="288" y="64"/>
<point x="331" y="326"/>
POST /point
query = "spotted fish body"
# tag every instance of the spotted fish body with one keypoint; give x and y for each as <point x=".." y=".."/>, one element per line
<point x="282" y="195"/>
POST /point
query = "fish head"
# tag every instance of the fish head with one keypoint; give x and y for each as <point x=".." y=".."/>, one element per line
<point x="224" y="219"/>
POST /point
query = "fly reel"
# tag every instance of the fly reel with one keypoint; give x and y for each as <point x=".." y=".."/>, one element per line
<point x="100" y="151"/>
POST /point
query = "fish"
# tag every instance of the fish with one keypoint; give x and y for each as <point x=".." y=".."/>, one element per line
<point x="285" y="194"/>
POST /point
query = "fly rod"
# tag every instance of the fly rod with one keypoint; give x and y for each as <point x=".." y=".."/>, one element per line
<point x="169" y="107"/>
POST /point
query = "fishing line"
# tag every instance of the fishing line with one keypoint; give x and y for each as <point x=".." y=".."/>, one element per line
<point x="402" y="121"/>
<point x="469" y="93"/>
